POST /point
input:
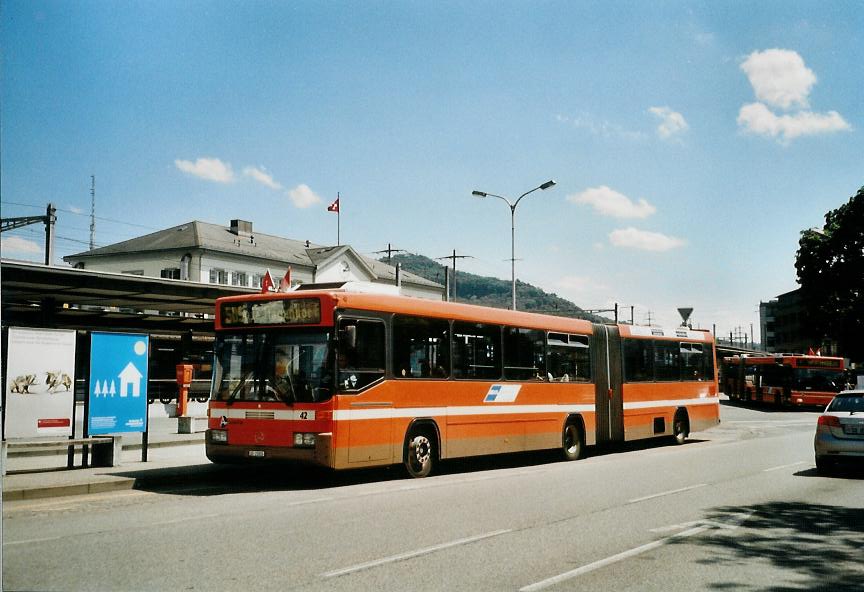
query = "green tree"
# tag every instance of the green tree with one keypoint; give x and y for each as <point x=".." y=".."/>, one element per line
<point x="830" y="265"/>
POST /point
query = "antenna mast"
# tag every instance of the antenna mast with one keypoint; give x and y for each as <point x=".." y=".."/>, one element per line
<point x="92" y="212"/>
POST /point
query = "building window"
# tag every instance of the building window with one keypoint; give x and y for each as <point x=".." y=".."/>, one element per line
<point x="133" y="271"/>
<point x="170" y="273"/>
<point x="239" y="278"/>
<point x="218" y="276"/>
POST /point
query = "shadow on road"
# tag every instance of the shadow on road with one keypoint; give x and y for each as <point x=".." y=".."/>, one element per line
<point x="210" y="479"/>
<point x="769" y="407"/>
<point x="818" y="546"/>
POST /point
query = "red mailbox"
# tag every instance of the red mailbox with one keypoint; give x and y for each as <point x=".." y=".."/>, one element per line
<point x="184" y="381"/>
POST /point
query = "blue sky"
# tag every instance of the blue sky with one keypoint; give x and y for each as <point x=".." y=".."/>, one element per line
<point x="691" y="142"/>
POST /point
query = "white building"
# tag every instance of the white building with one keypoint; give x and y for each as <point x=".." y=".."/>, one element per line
<point x="234" y="255"/>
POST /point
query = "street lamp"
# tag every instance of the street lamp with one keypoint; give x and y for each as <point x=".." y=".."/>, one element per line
<point x="512" y="206"/>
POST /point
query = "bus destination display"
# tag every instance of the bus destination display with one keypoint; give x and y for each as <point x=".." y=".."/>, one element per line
<point x="306" y="311"/>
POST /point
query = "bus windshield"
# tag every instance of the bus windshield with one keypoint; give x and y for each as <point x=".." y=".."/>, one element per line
<point x="273" y="366"/>
<point x="818" y="380"/>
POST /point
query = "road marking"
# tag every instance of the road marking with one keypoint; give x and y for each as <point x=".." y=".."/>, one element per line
<point x="790" y="465"/>
<point x="411" y="554"/>
<point x="731" y="525"/>
<point x="184" y="519"/>
<point x="647" y="497"/>
<point x="31" y="541"/>
<point x="310" y="501"/>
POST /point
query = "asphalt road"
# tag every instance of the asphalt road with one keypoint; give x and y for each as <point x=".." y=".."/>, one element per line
<point x="739" y="507"/>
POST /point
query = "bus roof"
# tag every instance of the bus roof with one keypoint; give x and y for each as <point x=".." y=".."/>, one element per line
<point x="462" y="312"/>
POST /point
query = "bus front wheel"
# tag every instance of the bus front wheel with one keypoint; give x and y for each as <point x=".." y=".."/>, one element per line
<point x="419" y="453"/>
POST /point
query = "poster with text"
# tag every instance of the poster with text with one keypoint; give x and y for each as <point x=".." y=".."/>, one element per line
<point x="118" y="383"/>
<point x="40" y="382"/>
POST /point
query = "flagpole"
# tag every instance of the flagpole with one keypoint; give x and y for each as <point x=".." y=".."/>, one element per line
<point x="338" y="219"/>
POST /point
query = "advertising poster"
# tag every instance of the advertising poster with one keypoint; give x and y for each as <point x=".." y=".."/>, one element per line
<point x="40" y="382"/>
<point x="118" y="383"/>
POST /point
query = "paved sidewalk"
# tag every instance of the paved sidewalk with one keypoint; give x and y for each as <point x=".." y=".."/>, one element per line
<point x="169" y="453"/>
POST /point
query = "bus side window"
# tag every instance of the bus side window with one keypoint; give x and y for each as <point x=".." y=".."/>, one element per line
<point x="667" y="362"/>
<point x="523" y="354"/>
<point x="421" y="347"/>
<point x="692" y="364"/>
<point x="569" y="358"/>
<point x="638" y="360"/>
<point x="364" y="359"/>
<point x="476" y="351"/>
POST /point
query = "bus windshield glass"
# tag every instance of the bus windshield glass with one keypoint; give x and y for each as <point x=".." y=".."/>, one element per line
<point x="273" y="366"/>
<point x="818" y="380"/>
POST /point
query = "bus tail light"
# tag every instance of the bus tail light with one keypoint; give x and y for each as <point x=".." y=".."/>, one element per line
<point x="302" y="440"/>
<point x="220" y="436"/>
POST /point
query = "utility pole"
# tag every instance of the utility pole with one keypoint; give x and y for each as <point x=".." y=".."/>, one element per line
<point x="390" y="250"/>
<point x="453" y="258"/>
<point x="92" y="212"/>
<point x="49" y="219"/>
<point x="599" y="310"/>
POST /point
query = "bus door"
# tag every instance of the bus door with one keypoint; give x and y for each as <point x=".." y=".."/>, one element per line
<point x="609" y="399"/>
<point x="360" y="364"/>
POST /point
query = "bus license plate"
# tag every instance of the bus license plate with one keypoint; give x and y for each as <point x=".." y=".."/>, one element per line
<point x="256" y="453"/>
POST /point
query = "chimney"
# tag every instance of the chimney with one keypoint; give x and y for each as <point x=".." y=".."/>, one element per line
<point x="241" y="227"/>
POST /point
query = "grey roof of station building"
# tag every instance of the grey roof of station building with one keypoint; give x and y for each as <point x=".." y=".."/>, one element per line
<point x="197" y="235"/>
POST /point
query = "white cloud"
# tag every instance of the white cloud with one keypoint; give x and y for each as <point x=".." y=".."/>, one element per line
<point x="14" y="244"/>
<point x="75" y="210"/>
<point x="759" y="119"/>
<point x="642" y="239"/>
<point x="600" y="127"/>
<point x="303" y="197"/>
<point x="210" y="169"/>
<point x="260" y="175"/>
<point x="779" y="77"/>
<point x="575" y="284"/>
<point x="609" y="202"/>
<point x="672" y="123"/>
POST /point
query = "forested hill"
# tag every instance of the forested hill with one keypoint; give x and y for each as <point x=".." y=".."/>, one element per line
<point x="489" y="291"/>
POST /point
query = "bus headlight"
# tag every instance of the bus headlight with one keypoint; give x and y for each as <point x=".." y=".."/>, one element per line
<point x="220" y="436"/>
<point x="302" y="440"/>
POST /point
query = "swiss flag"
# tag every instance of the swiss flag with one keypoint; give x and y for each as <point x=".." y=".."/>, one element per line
<point x="285" y="283"/>
<point x="266" y="282"/>
<point x="334" y="207"/>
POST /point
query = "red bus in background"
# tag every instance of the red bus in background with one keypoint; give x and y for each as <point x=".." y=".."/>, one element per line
<point x="783" y="379"/>
<point x="346" y="379"/>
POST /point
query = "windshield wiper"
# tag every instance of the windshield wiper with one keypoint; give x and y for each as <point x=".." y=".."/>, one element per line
<point x="243" y="378"/>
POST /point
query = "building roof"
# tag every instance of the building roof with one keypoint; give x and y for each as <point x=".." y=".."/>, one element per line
<point x="197" y="235"/>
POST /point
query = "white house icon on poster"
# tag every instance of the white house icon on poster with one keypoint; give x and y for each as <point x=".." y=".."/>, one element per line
<point x="130" y="376"/>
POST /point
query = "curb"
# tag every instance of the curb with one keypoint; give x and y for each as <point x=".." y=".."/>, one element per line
<point x="118" y="484"/>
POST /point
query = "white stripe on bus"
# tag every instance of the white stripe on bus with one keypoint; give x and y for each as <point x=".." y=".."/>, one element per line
<point x="394" y="412"/>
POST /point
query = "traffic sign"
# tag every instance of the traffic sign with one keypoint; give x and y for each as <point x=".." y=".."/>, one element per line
<point x="118" y="383"/>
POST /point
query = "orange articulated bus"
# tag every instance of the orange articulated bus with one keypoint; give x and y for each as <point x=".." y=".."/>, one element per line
<point x="783" y="379"/>
<point x="346" y="379"/>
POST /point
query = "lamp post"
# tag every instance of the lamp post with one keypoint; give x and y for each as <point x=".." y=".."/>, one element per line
<point x="512" y="206"/>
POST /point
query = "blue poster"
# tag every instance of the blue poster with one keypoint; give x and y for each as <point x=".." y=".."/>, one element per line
<point x="118" y="383"/>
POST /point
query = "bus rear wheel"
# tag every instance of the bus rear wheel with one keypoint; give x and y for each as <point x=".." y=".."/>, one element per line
<point x="572" y="443"/>
<point x="419" y="453"/>
<point x="680" y="427"/>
